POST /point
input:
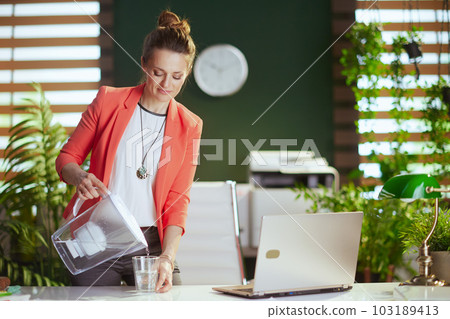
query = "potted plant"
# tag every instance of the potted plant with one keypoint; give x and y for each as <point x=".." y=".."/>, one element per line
<point x="32" y="197"/>
<point x="439" y="242"/>
<point x="400" y="112"/>
<point x="446" y="96"/>
<point x="412" y="48"/>
<point x="363" y="61"/>
<point x="435" y="115"/>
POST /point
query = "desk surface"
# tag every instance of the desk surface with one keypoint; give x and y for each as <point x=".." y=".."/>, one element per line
<point x="359" y="292"/>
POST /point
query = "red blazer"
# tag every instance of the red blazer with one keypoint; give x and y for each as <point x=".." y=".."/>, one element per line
<point x="100" y="130"/>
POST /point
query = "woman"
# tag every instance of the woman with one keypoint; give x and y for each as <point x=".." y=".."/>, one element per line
<point x="144" y="147"/>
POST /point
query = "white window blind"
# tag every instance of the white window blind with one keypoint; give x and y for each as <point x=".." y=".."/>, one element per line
<point x="400" y="15"/>
<point x="54" y="43"/>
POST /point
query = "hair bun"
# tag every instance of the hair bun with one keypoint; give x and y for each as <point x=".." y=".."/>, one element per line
<point x="168" y="19"/>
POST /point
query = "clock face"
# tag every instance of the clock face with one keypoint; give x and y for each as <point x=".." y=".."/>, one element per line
<point x="220" y="70"/>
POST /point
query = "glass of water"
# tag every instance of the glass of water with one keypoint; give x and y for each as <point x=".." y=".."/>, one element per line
<point x="145" y="272"/>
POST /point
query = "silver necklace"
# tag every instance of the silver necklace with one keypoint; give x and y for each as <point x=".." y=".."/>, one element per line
<point x="142" y="172"/>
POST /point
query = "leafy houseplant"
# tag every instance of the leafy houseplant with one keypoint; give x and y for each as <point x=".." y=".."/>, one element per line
<point x="383" y="221"/>
<point x="419" y="228"/>
<point x="362" y="62"/>
<point x="436" y="116"/>
<point x="439" y="241"/>
<point x="399" y="112"/>
<point x="364" y="72"/>
<point x="33" y="197"/>
<point x="412" y="48"/>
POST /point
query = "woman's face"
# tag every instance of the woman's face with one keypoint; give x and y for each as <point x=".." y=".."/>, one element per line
<point x="166" y="72"/>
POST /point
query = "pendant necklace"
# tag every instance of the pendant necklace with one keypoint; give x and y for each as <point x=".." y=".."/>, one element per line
<point x="142" y="172"/>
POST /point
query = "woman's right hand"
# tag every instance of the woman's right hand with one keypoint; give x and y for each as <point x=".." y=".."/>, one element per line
<point x="90" y="187"/>
<point x="87" y="184"/>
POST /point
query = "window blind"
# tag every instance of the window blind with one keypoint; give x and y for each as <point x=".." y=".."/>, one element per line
<point x="55" y="43"/>
<point x="398" y="17"/>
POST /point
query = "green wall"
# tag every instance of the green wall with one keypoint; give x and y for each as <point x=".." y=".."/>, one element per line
<point x="280" y="40"/>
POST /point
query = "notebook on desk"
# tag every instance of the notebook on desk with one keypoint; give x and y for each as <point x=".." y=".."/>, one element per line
<point x="304" y="254"/>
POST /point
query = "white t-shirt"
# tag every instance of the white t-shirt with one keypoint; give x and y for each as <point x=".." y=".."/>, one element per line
<point x="137" y="193"/>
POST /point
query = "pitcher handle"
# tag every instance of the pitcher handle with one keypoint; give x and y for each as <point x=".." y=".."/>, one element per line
<point x="76" y="207"/>
<point x="79" y="202"/>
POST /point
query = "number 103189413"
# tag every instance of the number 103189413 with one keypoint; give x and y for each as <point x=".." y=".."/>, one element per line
<point x="405" y="310"/>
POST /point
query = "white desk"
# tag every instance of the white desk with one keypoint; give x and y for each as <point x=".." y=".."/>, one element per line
<point x="359" y="292"/>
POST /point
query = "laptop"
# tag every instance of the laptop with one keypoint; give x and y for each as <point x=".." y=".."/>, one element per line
<point x="304" y="254"/>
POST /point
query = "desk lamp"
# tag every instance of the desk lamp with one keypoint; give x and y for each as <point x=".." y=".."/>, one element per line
<point x="415" y="186"/>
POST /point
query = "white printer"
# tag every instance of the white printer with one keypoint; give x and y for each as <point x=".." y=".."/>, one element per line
<point x="273" y="174"/>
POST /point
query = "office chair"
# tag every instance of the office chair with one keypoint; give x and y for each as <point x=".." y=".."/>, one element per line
<point x="210" y="252"/>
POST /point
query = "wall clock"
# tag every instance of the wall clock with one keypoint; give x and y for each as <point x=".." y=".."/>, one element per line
<point x="220" y="70"/>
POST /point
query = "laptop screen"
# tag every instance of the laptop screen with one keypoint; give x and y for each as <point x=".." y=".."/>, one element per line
<point x="307" y="250"/>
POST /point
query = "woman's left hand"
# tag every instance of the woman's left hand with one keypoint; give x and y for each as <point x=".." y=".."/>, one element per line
<point x="164" y="283"/>
<point x="172" y="235"/>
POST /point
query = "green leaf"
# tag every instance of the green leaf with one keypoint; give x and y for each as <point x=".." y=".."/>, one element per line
<point x="36" y="142"/>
